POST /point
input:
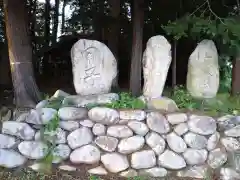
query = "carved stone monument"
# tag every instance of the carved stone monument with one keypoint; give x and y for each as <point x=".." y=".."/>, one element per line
<point x="203" y="71"/>
<point x="156" y="61"/>
<point x="94" y="67"/>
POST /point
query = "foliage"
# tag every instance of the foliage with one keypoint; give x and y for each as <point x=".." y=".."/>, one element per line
<point x="225" y="74"/>
<point x="53" y="102"/>
<point x="46" y="96"/>
<point x="48" y="136"/>
<point x="87" y="15"/>
<point x="93" y="177"/>
<point x="52" y="125"/>
<point x="226" y="32"/>
<point x="126" y="101"/>
<point x="223" y="103"/>
<point x="184" y="100"/>
<point x="137" y="178"/>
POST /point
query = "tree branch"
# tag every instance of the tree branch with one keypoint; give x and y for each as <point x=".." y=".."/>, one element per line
<point x="204" y="11"/>
<point x="210" y="9"/>
<point x="198" y="8"/>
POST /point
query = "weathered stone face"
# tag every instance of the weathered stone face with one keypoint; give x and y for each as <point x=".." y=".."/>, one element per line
<point x="156" y="61"/>
<point x="94" y="67"/>
<point x="203" y="71"/>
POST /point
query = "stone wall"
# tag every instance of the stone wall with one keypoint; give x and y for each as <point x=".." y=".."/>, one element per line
<point x="125" y="142"/>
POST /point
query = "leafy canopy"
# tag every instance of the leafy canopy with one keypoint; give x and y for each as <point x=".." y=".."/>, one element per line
<point x="224" y="31"/>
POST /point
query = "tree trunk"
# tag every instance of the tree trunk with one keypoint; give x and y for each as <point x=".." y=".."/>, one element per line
<point x="137" y="12"/>
<point x="32" y="22"/>
<point x="174" y="66"/>
<point x="98" y="20"/>
<point x="20" y="54"/>
<point x="63" y="16"/>
<point x="236" y="76"/>
<point x="47" y="18"/>
<point x="55" y="21"/>
<point x="236" y="68"/>
<point x="114" y="31"/>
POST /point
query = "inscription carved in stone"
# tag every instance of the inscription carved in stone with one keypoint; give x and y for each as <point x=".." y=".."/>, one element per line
<point x="203" y="71"/>
<point x="156" y="61"/>
<point x="94" y="67"/>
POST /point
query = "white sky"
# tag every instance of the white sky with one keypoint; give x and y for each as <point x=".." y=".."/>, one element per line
<point x="52" y="1"/>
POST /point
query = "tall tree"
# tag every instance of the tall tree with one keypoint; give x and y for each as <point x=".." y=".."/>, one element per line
<point x="114" y="26"/>
<point x="235" y="76"/>
<point x="236" y="65"/>
<point x="137" y="12"/>
<point x="20" y="54"/>
<point x="47" y="17"/>
<point x="98" y="19"/>
<point x="63" y="16"/>
<point x="32" y="7"/>
<point x="55" y="21"/>
<point x="113" y="38"/>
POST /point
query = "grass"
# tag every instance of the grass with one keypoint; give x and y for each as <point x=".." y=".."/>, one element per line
<point x="223" y="103"/>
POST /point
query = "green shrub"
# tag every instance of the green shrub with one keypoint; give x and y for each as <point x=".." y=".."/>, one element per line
<point x="93" y="177"/>
<point x="184" y="100"/>
<point x="126" y="101"/>
<point x="48" y="136"/>
<point x="223" y="103"/>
